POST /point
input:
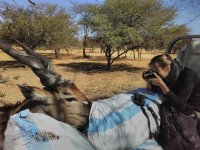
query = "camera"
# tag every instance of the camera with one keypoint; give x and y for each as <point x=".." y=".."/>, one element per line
<point x="148" y="74"/>
<point x="138" y="99"/>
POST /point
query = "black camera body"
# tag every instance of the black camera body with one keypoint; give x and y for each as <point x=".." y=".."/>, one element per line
<point x="138" y="99"/>
<point x="148" y="74"/>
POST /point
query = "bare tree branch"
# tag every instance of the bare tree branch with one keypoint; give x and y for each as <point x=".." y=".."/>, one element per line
<point x="31" y="2"/>
<point x="114" y="51"/>
<point x="123" y="53"/>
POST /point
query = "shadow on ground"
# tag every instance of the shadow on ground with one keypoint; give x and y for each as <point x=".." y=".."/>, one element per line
<point x="11" y="64"/>
<point x="90" y="67"/>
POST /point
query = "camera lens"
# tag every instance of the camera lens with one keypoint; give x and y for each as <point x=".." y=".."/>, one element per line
<point x="148" y="74"/>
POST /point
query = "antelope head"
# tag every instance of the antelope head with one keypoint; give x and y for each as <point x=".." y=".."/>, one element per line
<point x="59" y="98"/>
<point x="55" y="104"/>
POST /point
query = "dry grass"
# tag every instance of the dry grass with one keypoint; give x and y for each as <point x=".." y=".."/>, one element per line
<point x="89" y="74"/>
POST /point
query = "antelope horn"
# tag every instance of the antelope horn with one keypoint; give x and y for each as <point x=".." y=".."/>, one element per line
<point x="26" y="59"/>
<point x="27" y="49"/>
<point x="40" y="65"/>
<point x="45" y="62"/>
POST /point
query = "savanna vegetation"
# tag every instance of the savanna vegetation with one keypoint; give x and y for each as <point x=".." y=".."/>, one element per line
<point x="94" y="45"/>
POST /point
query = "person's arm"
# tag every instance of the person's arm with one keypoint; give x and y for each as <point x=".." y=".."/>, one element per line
<point x="159" y="82"/>
<point x="179" y="99"/>
<point x="182" y="96"/>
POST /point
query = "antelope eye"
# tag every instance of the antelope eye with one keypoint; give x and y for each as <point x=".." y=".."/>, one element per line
<point x="70" y="99"/>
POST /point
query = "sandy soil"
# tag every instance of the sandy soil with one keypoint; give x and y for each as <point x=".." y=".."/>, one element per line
<point x="88" y="74"/>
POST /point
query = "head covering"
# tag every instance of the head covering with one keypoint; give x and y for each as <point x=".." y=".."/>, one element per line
<point x="176" y="68"/>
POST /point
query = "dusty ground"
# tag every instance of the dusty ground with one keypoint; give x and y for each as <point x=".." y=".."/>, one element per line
<point x="88" y="74"/>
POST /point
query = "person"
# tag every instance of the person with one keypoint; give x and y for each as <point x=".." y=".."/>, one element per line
<point x="180" y="85"/>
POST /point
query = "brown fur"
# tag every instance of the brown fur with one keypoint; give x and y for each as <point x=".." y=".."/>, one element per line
<point x="60" y="99"/>
<point x="67" y="106"/>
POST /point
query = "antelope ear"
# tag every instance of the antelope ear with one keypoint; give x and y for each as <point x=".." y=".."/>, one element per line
<point x="27" y="91"/>
<point x="34" y="94"/>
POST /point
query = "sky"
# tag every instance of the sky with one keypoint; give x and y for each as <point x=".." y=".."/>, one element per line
<point x="186" y="15"/>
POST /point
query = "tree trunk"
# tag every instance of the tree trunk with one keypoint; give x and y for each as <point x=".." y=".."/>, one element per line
<point x="134" y="54"/>
<point x="108" y="56"/>
<point x="92" y="49"/>
<point x="140" y="53"/>
<point x="85" y="41"/>
<point x="57" y="53"/>
<point x="84" y="53"/>
<point x="84" y="46"/>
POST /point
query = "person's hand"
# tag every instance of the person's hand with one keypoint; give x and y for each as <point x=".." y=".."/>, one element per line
<point x="157" y="80"/>
<point x="147" y="81"/>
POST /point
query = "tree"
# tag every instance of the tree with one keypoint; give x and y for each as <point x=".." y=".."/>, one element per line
<point x="84" y="21"/>
<point x="40" y="25"/>
<point x="60" y="32"/>
<point x="117" y="23"/>
<point x="170" y="33"/>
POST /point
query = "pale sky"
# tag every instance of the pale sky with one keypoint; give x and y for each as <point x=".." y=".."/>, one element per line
<point x="185" y="15"/>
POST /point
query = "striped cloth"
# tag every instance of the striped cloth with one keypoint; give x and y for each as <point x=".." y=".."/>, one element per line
<point x="117" y="123"/>
<point x="114" y="124"/>
<point x="36" y="131"/>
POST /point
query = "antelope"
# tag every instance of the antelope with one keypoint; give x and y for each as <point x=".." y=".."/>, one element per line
<point x="59" y="98"/>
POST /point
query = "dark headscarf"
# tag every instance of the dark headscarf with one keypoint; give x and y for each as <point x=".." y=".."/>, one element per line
<point x="176" y="69"/>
